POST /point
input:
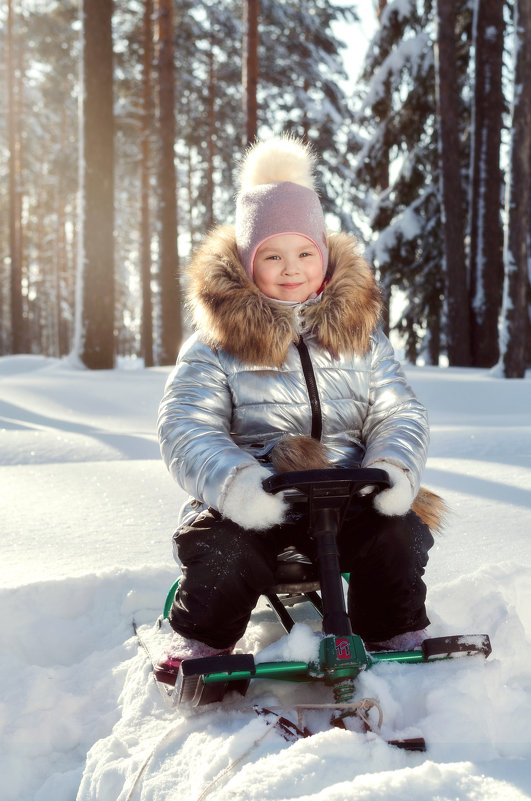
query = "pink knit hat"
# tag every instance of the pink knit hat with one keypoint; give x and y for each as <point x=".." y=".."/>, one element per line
<point x="277" y="196"/>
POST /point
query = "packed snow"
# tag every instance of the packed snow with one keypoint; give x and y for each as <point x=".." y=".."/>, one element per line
<point x="87" y="515"/>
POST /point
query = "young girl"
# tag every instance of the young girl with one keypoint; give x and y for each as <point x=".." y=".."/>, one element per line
<point x="287" y="343"/>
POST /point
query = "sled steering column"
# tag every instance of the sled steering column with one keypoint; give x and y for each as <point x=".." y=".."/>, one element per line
<point x="328" y="495"/>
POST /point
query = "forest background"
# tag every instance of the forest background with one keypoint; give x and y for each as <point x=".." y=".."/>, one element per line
<point x="124" y="122"/>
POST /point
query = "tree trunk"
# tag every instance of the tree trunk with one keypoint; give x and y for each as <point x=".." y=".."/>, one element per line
<point x="169" y="264"/>
<point x="96" y="337"/>
<point x="21" y="228"/>
<point x="16" y="307"/>
<point x="61" y="269"/>
<point x="486" y="229"/>
<point x="40" y="307"/>
<point x="251" y="10"/>
<point x="528" y="336"/>
<point x="458" y="327"/>
<point x="190" y="197"/>
<point x="434" y="329"/>
<point x="382" y="185"/>
<point x="145" y="226"/>
<point x="516" y="255"/>
<point x="209" y="216"/>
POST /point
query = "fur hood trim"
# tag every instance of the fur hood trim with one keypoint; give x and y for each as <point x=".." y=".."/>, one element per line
<point x="231" y="313"/>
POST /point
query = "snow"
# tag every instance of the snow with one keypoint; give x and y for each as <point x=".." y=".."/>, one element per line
<point x="87" y="515"/>
<point x="405" y="227"/>
<point x="410" y="50"/>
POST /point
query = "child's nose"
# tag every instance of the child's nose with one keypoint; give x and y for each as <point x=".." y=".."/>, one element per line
<point x="290" y="265"/>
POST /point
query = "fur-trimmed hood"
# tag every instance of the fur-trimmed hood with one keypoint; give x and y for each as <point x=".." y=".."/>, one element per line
<point x="231" y="313"/>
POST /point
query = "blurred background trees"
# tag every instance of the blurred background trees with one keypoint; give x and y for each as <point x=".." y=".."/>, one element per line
<point x="116" y="162"/>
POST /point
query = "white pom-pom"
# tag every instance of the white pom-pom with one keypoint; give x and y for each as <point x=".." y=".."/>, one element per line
<point x="282" y="158"/>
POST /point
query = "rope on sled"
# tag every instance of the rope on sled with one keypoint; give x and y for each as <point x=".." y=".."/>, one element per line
<point x="232" y="765"/>
<point x="149" y="757"/>
<point x="361" y="708"/>
<point x="214" y="781"/>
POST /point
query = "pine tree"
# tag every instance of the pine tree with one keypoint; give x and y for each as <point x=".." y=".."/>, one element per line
<point x="458" y="328"/>
<point x="251" y="10"/>
<point x="301" y="87"/>
<point x="18" y="332"/>
<point x="170" y="295"/>
<point x="518" y="225"/>
<point x="48" y="131"/>
<point x="398" y="138"/>
<point x="486" y="231"/>
<point x="95" y="333"/>
<point x="396" y="117"/>
<point x="145" y="219"/>
<point x="209" y="111"/>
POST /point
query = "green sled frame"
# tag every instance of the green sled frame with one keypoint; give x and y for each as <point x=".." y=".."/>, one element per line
<point x="207" y="680"/>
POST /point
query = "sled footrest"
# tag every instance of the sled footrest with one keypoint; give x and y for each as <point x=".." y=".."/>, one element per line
<point x="192" y="687"/>
<point x="457" y="645"/>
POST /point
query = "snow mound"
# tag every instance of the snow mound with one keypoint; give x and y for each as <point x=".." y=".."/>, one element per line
<point x="87" y="687"/>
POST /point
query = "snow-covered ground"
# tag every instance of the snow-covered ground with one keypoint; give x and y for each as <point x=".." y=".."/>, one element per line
<point x="87" y="512"/>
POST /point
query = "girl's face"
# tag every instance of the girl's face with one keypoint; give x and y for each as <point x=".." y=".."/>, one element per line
<point x="288" y="267"/>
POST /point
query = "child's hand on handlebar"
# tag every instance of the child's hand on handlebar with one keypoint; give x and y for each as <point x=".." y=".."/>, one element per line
<point x="397" y="499"/>
<point x="248" y="504"/>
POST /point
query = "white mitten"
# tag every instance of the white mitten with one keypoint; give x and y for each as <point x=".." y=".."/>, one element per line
<point x="398" y="498"/>
<point x="248" y="504"/>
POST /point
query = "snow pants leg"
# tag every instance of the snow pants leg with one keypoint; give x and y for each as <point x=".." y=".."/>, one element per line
<point x="386" y="557"/>
<point x="225" y="569"/>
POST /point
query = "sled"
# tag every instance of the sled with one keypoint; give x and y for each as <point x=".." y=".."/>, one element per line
<point x="327" y="494"/>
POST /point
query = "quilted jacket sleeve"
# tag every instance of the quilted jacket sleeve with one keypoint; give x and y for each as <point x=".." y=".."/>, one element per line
<point x="194" y="426"/>
<point x="396" y="427"/>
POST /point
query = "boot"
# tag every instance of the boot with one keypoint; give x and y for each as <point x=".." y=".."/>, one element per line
<point x="181" y="648"/>
<point x="409" y="641"/>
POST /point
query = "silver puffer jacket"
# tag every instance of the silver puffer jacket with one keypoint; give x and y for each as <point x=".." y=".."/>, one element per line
<point x="256" y="371"/>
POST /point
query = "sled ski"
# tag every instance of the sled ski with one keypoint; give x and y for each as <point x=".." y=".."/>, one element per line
<point x="233" y="671"/>
<point x="456" y="646"/>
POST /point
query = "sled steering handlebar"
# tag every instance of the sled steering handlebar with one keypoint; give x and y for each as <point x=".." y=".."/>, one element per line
<point x="330" y="488"/>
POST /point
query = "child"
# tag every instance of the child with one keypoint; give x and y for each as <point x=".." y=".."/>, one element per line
<point x="287" y="343"/>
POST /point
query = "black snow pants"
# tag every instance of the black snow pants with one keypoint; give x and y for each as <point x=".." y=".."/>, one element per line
<point x="225" y="569"/>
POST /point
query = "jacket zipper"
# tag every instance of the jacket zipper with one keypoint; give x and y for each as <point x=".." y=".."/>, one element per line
<point x="311" y="384"/>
